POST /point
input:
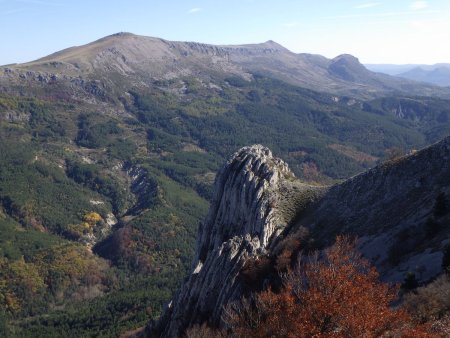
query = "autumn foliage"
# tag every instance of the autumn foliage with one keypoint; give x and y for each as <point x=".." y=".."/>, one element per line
<point x="336" y="295"/>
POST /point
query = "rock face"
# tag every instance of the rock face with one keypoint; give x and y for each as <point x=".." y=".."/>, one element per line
<point x="348" y="68"/>
<point x="393" y="209"/>
<point x="248" y="212"/>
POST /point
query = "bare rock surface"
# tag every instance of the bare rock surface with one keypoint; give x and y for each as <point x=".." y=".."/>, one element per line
<point x="258" y="204"/>
<point x="251" y="207"/>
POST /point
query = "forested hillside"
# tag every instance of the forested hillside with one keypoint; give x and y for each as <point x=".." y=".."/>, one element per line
<point x="105" y="177"/>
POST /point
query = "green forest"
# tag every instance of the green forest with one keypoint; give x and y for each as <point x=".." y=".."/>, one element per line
<point x="99" y="210"/>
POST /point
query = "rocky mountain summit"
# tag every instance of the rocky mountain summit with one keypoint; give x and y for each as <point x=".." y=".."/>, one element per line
<point x="125" y="59"/>
<point x="258" y="205"/>
<point x="256" y="197"/>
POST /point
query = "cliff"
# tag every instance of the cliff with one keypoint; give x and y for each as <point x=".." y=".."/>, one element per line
<point x="258" y="204"/>
<point x="256" y="197"/>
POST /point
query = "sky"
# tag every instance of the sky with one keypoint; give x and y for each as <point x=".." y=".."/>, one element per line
<point x="375" y="31"/>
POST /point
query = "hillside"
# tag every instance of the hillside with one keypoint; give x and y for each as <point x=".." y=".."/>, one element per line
<point x="439" y="76"/>
<point x="109" y="151"/>
<point x="260" y="210"/>
<point x="126" y="58"/>
<point x="390" y="69"/>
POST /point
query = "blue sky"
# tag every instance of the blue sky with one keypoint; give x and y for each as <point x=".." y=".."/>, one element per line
<point x="394" y="31"/>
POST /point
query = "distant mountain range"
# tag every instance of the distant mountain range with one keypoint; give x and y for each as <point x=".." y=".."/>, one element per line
<point x="137" y="59"/>
<point x="437" y="74"/>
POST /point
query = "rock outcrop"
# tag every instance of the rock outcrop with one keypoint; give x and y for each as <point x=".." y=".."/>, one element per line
<point x="259" y="205"/>
<point x="392" y="210"/>
<point x="254" y="201"/>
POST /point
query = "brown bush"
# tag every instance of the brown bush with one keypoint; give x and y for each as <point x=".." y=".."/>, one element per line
<point x="431" y="302"/>
<point x="254" y="271"/>
<point x="204" y="331"/>
<point x="338" y="295"/>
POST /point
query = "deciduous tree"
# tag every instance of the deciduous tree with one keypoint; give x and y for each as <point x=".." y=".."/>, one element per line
<point x="335" y="295"/>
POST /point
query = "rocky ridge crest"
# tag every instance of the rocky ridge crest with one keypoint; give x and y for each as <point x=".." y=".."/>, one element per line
<point x="250" y="208"/>
<point x="258" y="205"/>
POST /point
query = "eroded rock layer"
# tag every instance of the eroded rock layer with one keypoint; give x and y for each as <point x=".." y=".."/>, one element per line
<point x="249" y="210"/>
<point x="399" y="211"/>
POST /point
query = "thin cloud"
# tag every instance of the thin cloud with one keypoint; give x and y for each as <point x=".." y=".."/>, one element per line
<point x="368" y="5"/>
<point x="381" y="15"/>
<point x="418" y="5"/>
<point x="194" y="10"/>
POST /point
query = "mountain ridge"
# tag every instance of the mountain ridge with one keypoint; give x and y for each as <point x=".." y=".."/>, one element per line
<point x="243" y="222"/>
<point x="439" y="75"/>
<point x="367" y="205"/>
<point x="436" y="74"/>
<point x="137" y="127"/>
<point x="142" y="58"/>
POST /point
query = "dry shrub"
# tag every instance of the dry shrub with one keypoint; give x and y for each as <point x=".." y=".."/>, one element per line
<point x="442" y="326"/>
<point x="337" y="295"/>
<point x="286" y="253"/>
<point x="254" y="271"/>
<point x="431" y="302"/>
<point x="204" y="331"/>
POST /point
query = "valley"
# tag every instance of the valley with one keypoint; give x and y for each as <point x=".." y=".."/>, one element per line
<point x="109" y="152"/>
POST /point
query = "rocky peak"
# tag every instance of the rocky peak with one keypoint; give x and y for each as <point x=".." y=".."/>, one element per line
<point x="119" y="34"/>
<point x="391" y="209"/>
<point x="245" y="217"/>
<point x="347" y="58"/>
<point x="244" y="201"/>
<point x="267" y="48"/>
<point x="348" y="67"/>
<point x="274" y="45"/>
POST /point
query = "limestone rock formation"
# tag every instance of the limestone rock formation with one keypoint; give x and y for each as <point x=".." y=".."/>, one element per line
<point x="259" y="205"/>
<point x="251" y="207"/>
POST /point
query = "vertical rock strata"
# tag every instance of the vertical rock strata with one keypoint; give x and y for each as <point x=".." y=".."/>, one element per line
<point x="243" y="221"/>
<point x="392" y="209"/>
